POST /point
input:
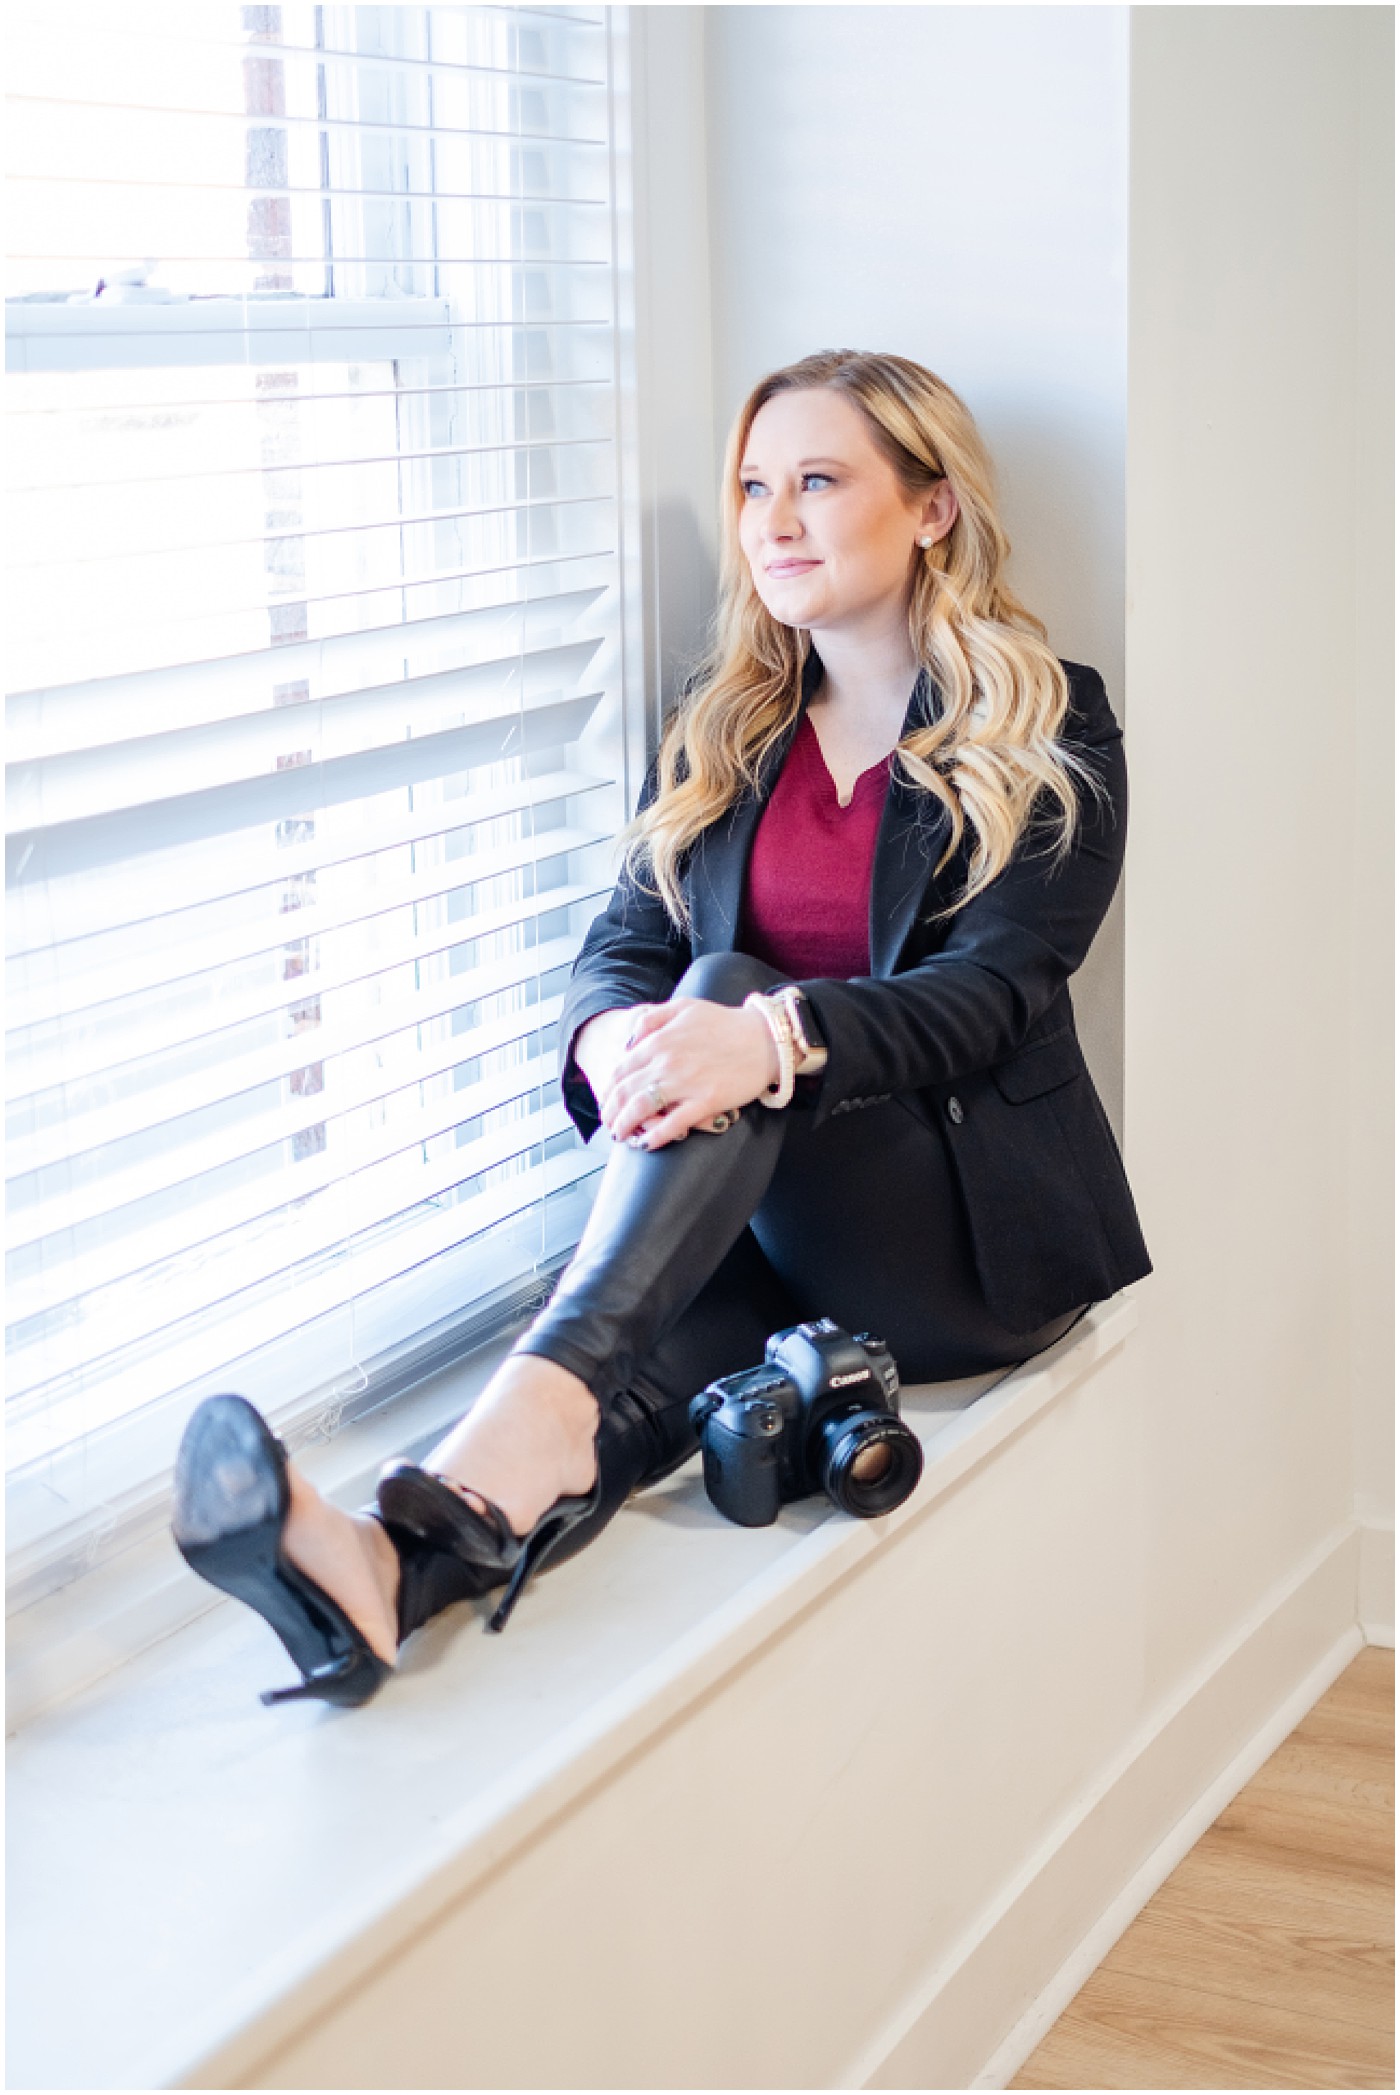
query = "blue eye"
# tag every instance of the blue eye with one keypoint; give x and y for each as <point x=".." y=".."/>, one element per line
<point x="745" y="485"/>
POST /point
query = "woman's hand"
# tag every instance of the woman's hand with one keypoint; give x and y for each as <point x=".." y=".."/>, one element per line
<point x="700" y="1058"/>
<point x="601" y="1040"/>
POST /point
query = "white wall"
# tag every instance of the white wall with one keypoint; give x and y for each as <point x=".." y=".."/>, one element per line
<point x="1371" y="1016"/>
<point x="949" y="183"/>
<point x="1257" y="934"/>
<point x="954" y="182"/>
<point x="679" y="472"/>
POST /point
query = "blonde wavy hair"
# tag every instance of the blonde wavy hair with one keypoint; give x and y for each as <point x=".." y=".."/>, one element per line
<point x="978" y="642"/>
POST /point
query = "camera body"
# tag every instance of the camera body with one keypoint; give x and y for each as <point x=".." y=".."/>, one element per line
<point x="820" y="1414"/>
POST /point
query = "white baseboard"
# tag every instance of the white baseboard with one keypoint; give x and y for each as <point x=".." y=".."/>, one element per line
<point x="1168" y="1788"/>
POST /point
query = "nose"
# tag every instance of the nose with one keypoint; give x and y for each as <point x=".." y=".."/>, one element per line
<point x="782" y="519"/>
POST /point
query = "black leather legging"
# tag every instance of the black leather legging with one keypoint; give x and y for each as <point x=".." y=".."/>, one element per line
<point x="694" y="1253"/>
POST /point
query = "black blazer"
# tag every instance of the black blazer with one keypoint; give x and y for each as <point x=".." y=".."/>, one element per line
<point x="970" y="1019"/>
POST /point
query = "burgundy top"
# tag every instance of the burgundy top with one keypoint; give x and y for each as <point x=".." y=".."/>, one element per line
<point x="807" y="897"/>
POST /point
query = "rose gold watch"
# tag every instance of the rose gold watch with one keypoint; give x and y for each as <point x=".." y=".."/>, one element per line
<point x="810" y="1055"/>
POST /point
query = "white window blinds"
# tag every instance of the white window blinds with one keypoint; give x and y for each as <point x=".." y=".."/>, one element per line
<point x="315" y="724"/>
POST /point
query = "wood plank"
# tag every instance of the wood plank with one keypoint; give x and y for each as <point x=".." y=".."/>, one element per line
<point x="1347" y="1773"/>
<point x="1365" y="1690"/>
<point x="1127" y="2032"/>
<point x="1329" y="1960"/>
<point x="1214" y="1864"/>
<point x="1370" y="1673"/>
<point x="1310" y="1831"/>
<point x="1334" y="1726"/>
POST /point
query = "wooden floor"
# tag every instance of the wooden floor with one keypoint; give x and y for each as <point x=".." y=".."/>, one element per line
<point x="1267" y="1958"/>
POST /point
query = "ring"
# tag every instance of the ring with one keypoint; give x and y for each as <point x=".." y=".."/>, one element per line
<point x="658" y="1098"/>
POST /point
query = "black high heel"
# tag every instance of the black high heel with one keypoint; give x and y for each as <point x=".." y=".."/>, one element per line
<point x="430" y="1511"/>
<point x="231" y="1503"/>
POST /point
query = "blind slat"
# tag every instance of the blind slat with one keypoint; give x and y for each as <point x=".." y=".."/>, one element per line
<point x="131" y="1312"/>
<point x="88" y="845"/>
<point x="213" y="480"/>
<point x="174" y="556"/>
<point x="51" y="1416"/>
<point x="394" y="128"/>
<point x="148" y="770"/>
<point x="496" y="198"/>
<point x="86" y="1056"/>
<point x="96" y="1000"/>
<point x="253" y="860"/>
<point x="525" y="387"/>
<point x="55" y="719"/>
<point x="165" y="39"/>
<point x="69" y="1272"/>
<point x="52" y="983"/>
<point x="194" y="1157"/>
<point x="217" y="635"/>
<point x="97" y="1124"/>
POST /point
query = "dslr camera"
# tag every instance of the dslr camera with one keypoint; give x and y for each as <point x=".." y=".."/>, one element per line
<point x="820" y="1414"/>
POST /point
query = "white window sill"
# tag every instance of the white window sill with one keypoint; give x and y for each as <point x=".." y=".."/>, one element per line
<point x="198" y="1871"/>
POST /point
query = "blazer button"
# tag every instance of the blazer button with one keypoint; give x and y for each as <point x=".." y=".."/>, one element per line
<point x="955" y="1111"/>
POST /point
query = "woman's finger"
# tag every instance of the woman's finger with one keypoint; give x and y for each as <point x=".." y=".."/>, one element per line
<point x="636" y="1100"/>
<point x="625" y="1087"/>
<point x="666" y="1127"/>
<point x="648" y="1018"/>
<point x="642" y="1051"/>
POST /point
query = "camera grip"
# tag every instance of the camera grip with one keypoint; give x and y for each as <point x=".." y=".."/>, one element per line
<point x="743" y="1476"/>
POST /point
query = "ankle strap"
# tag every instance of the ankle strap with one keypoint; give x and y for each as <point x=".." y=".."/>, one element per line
<point x="430" y="1579"/>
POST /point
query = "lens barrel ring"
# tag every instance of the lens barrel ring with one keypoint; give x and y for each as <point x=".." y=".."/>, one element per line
<point x="845" y="1440"/>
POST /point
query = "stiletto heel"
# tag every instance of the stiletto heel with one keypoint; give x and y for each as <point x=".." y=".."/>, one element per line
<point x="231" y="1503"/>
<point x="537" y="1546"/>
<point x="322" y="1685"/>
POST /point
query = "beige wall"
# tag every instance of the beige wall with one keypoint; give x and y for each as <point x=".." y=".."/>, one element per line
<point x="1239" y="374"/>
<point x="949" y="183"/>
<point x="1371" y="1240"/>
<point x="1257" y="944"/>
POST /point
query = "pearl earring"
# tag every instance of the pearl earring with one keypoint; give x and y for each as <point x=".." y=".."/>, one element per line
<point x="925" y="542"/>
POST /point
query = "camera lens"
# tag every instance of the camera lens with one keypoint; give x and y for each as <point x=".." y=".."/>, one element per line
<point x="872" y="1463"/>
<point x="869" y="1462"/>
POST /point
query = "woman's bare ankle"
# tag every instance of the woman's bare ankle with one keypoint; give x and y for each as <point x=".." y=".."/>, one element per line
<point x="528" y="1440"/>
<point x="351" y="1557"/>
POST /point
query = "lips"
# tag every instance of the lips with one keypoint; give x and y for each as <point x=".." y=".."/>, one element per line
<point x="792" y="567"/>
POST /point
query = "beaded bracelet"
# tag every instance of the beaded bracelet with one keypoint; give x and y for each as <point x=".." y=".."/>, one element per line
<point x="780" y="1026"/>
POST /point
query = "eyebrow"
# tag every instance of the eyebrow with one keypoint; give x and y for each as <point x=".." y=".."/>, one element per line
<point x="803" y="463"/>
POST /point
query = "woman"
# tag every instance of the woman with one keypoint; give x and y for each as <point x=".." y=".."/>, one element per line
<point x="886" y="798"/>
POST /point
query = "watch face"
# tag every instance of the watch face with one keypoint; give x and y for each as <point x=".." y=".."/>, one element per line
<point x="794" y="1001"/>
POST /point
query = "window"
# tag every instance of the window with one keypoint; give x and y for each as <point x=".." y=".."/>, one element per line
<point x="316" y="732"/>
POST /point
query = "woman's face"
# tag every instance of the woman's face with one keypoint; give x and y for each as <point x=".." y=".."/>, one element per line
<point x="828" y="531"/>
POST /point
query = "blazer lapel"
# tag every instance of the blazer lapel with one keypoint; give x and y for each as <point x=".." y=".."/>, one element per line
<point x="716" y="880"/>
<point x="913" y="831"/>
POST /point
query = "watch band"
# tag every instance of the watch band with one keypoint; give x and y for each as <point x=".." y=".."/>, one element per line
<point x="811" y="1056"/>
<point x="775" y="1016"/>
